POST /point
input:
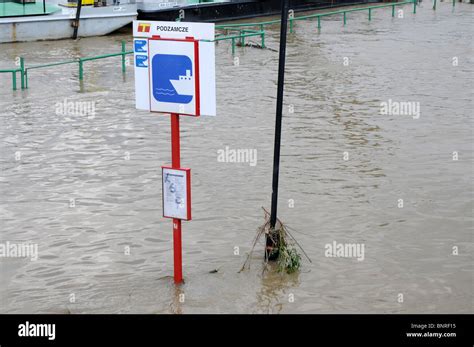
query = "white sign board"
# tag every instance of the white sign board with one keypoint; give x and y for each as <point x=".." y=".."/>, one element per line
<point x="176" y="193"/>
<point x="174" y="68"/>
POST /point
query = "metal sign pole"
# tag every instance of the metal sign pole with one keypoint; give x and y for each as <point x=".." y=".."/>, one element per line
<point x="279" y="109"/>
<point x="78" y="17"/>
<point x="167" y="56"/>
<point x="176" y="163"/>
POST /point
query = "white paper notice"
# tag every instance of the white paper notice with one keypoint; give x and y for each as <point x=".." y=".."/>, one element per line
<point x="175" y="193"/>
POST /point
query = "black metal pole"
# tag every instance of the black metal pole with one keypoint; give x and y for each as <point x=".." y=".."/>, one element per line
<point x="44" y="5"/>
<point x="76" y="21"/>
<point x="279" y="109"/>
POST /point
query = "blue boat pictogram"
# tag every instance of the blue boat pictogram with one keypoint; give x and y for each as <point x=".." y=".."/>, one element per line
<point x="172" y="78"/>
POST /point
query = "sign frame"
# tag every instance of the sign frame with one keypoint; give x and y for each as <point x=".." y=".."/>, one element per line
<point x="197" y="82"/>
<point x="204" y="33"/>
<point x="187" y="173"/>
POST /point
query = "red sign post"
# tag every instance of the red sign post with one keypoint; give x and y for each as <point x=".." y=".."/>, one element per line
<point x="175" y="152"/>
<point x="176" y="195"/>
<point x="176" y="163"/>
<point x="170" y="79"/>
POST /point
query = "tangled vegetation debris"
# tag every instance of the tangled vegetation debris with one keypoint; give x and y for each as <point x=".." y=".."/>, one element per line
<point x="280" y="246"/>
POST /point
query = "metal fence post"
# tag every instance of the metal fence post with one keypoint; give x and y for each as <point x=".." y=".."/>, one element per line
<point x="22" y="72"/>
<point x="14" y="79"/>
<point x="81" y="69"/>
<point x="123" y="56"/>
<point x="345" y="20"/>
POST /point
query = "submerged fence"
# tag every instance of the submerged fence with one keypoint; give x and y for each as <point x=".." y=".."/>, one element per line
<point x="240" y="35"/>
<point x="292" y="19"/>
<point x="236" y="33"/>
<point x="25" y="71"/>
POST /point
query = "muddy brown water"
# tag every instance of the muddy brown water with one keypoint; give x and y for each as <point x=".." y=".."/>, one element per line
<point x="109" y="167"/>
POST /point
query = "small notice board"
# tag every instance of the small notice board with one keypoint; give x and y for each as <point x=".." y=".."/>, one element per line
<point x="176" y="193"/>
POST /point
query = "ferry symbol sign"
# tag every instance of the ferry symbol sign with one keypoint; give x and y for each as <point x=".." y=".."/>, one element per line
<point x="179" y="74"/>
<point x="172" y="78"/>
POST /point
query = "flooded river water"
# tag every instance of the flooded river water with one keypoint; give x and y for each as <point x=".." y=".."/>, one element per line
<point x="87" y="188"/>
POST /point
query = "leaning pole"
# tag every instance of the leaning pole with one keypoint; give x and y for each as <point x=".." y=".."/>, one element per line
<point x="278" y="119"/>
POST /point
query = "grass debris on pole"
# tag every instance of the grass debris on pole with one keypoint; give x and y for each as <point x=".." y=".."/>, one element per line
<point x="277" y="246"/>
<point x="271" y="243"/>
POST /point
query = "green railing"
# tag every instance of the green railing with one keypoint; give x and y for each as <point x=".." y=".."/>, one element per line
<point x="240" y="34"/>
<point x="21" y="70"/>
<point x="24" y="71"/>
<point x="318" y="16"/>
<point x="236" y="33"/>
<point x="434" y="4"/>
<point x="13" y="72"/>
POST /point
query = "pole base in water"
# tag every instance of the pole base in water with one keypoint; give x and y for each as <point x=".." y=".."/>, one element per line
<point x="271" y="247"/>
